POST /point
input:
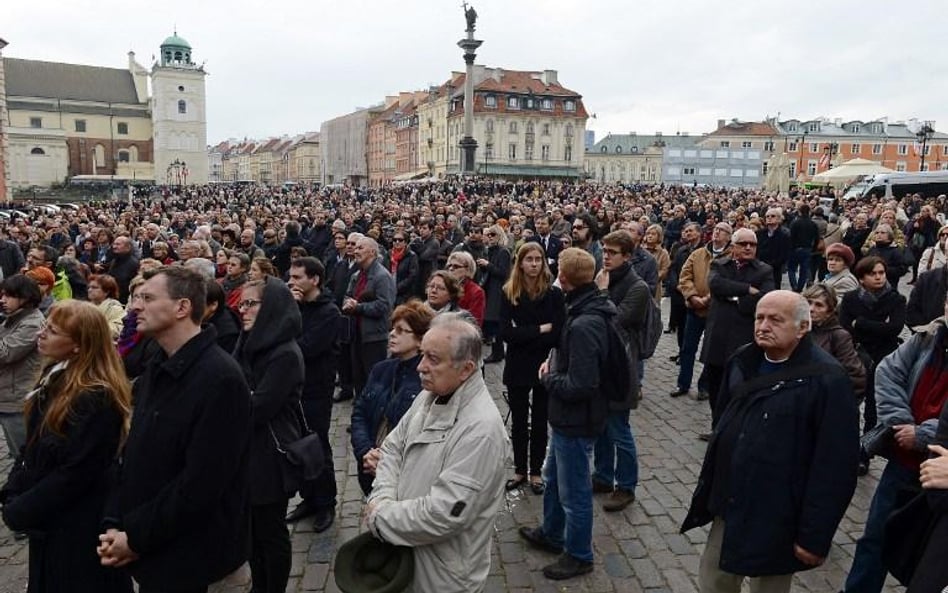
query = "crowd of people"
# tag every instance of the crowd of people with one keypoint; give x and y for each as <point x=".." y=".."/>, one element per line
<point x="159" y="357"/>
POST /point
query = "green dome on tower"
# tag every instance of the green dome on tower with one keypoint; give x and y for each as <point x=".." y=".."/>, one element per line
<point x="176" y="52"/>
<point x="176" y="41"/>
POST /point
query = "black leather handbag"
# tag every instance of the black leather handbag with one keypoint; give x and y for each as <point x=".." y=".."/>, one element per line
<point x="907" y="532"/>
<point x="879" y="441"/>
<point x="301" y="460"/>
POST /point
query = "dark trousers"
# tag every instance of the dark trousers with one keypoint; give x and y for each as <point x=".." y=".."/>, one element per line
<point x="676" y="315"/>
<point x="320" y="492"/>
<point x="714" y="375"/>
<point x="869" y="416"/>
<point x="144" y="589"/>
<point x="344" y="368"/>
<point x="528" y="427"/>
<point x="364" y="357"/>
<point x="778" y="275"/>
<point x="269" y="548"/>
<point x="491" y="331"/>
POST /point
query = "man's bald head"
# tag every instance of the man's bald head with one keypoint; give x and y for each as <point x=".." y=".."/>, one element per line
<point x="782" y="319"/>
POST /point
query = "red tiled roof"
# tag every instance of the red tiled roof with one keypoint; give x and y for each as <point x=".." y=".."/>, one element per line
<point x="746" y="128"/>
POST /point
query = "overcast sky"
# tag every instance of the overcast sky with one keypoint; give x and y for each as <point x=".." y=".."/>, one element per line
<point x="283" y="67"/>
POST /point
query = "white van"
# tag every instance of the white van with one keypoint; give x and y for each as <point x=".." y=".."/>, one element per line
<point x="896" y="185"/>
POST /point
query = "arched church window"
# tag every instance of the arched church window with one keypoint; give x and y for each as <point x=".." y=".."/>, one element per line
<point x="38" y="150"/>
<point x="123" y="156"/>
<point x="99" y="155"/>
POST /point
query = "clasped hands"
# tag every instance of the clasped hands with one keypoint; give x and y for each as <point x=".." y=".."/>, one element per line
<point x="113" y="549"/>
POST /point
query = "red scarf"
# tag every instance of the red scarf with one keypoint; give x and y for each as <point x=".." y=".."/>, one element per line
<point x="396" y="255"/>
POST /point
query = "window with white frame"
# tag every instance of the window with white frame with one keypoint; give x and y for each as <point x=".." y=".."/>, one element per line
<point x="903" y="149"/>
<point x="568" y="154"/>
<point x="721" y="154"/>
<point x="569" y="131"/>
<point x="489" y="125"/>
<point x="747" y="144"/>
<point x="36" y="122"/>
<point x="793" y="170"/>
<point x="569" y="105"/>
<point x="811" y="167"/>
<point x="673" y="171"/>
<point x="855" y="128"/>
<point x="529" y="127"/>
<point x="752" y="173"/>
<point x="546" y="129"/>
<point x="769" y="146"/>
<point x="737" y="172"/>
<point x="928" y="150"/>
<point x="512" y="152"/>
<point x="725" y="144"/>
<point x="704" y="171"/>
<point x="490" y="101"/>
<point x="528" y="153"/>
<point x="945" y="149"/>
<point x="856" y="149"/>
<point x="513" y="102"/>
<point x="707" y="154"/>
<point x="547" y="104"/>
<point x="876" y="149"/>
<point x="720" y="172"/>
<point x="545" y="152"/>
<point x="792" y="127"/>
<point x="813" y="126"/>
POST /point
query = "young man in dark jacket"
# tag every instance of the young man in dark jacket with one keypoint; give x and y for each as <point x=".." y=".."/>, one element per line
<point x="617" y="464"/>
<point x="321" y="321"/>
<point x="577" y="415"/>
<point x="780" y="468"/>
<point x="183" y="482"/>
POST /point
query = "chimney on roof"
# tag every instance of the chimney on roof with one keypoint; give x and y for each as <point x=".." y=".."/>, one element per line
<point x="549" y="77"/>
<point x="838" y="121"/>
<point x="721" y="123"/>
<point x="658" y="134"/>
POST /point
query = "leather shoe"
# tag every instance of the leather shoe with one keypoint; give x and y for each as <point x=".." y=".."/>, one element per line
<point x="703" y="396"/>
<point x="679" y="392"/>
<point x="567" y="567"/>
<point x="536" y="538"/>
<point x="324" y="519"/>
<point x="600" y="487"/>
<point x="618" y="500"/>
<point x="342" y="396"/>
<point x="705" y="436"/>
<point x="301" y="511"/>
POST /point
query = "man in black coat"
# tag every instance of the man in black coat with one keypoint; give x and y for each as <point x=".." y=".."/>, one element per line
<point x="773" y="243"/>
<point x="183" y="478"/>
<point x="321" y="322"/>
<point x="11" y="258"/>
<point x="927" y="301"/>
<point x="427" y="248"/>
<point x="780" y="468"/>
<point x="124" y="265"/>
<point x="736" y="283"/>
<point x="804" y="235"/>
<point x="551" y="244"/>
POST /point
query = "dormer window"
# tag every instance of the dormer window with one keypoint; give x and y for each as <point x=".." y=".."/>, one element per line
<point x="813" y="126"/>
<point x="792" y="127"/>
<point x="548" y="104"/>
<point x="855" y="128"/>
<point x="490" y="101"/>
<point x="513" y="102"/>
<point x="605" y="149"/>
<point x="569" y="105"/>
<point x="618" y="150"/>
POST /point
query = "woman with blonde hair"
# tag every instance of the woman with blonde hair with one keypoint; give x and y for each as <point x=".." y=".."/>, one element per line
<point x="652" y="242"/>
<point x="532" y="314"/>
<point x="77" y="418"/>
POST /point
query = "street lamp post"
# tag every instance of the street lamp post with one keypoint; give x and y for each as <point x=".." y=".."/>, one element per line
<point x="924" y="134"/>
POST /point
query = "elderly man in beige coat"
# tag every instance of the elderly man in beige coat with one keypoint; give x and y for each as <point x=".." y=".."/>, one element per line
<point x="440" y="482"/>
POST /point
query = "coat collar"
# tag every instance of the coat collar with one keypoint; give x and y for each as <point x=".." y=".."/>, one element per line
<point x="187" y="355"/>
<point x="437" y="420"/>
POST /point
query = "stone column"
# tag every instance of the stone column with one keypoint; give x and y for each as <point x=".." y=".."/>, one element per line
<point x="468" y="144"/>
<point x="6" y="192"/>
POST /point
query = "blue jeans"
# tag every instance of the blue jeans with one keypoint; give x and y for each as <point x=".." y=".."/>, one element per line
<point x="567" y="500"/>
<point x="694" y="327"/>
<point x="799" y="259"/>
<point x="616" y="460"/>
<point x="868" y="573"/>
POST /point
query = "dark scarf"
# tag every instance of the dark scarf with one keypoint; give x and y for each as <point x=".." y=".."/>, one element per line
<point x="872" y="298"/>
<point x="230" y="284"/>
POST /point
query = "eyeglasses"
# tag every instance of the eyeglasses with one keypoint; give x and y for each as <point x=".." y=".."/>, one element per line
<point x="491" y="234"/>
<point x="352" y="243"/>
<point x="398" y="239"/>
<point x="248" y="304"/>
<point x="453" y="267"/>
<point x="940" y="235"/>
<point x="578" y="227"/>
<point x="611" y="251"/>
<point x="746" y="244"/>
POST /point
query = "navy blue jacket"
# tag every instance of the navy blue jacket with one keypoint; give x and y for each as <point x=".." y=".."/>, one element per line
<point x="792" y="470"/>
<point x="389" y="392"/>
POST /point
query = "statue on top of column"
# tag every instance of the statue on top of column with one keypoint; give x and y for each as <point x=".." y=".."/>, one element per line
<point x="471" y="15"/>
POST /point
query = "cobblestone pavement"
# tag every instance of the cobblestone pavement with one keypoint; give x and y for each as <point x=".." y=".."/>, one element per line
<point x="638" y="549"/>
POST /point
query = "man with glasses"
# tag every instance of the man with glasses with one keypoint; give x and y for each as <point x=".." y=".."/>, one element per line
<point x="585" y="233"/>
<point x="736" y="283"/>
<point x="474" y="245"/>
